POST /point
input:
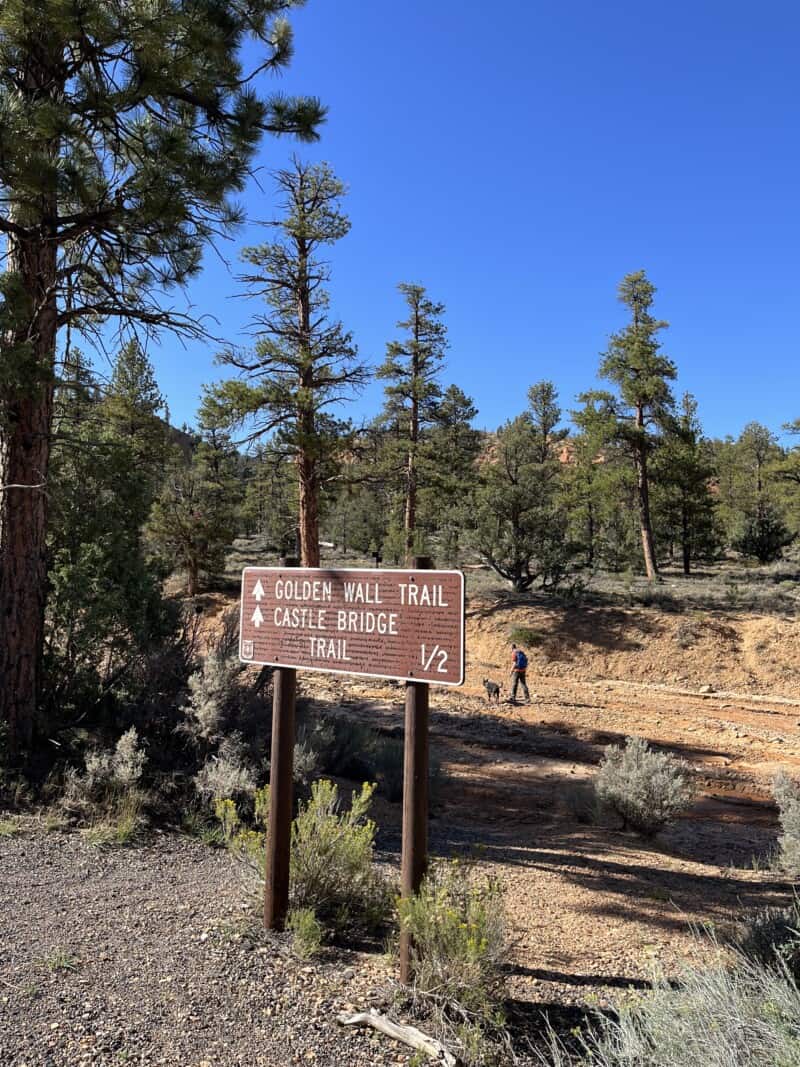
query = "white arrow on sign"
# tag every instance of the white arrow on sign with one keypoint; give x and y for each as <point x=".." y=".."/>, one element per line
<point x="258" y="590"/>
<point x="258" y="618"/>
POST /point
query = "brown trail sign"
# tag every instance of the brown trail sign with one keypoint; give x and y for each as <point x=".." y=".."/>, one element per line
<point x="402" y="624"/>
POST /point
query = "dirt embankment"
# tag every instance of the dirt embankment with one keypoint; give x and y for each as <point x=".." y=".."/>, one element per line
<point x="743" y="652"/>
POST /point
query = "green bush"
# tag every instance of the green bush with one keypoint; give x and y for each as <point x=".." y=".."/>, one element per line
<point x="387" y="764"/>
<point x="787" y="797"/>
<point x="646" y="789"/>
<point x="524" y="636"/>
<point x="332" y="865"/>
<point x="352" y="750"/>
<point x="458" y="936"/>
<point x="307" y="932"/>
<point x="332" y="870"/>
<point x="458" y="942"/>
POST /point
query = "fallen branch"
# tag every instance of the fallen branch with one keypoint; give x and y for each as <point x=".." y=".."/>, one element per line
<point x="409" y="1035"/>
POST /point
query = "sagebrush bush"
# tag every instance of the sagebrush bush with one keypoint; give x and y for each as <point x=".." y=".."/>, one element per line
<point x="787" y="796"/>
<point x="214" y="691"/>
<point x="108" y="774"/>
<point x="747" y="1015"/>
<point x="457" y="928"/>
<point x="226" y="774"/>
<point x="107" y="795"/>
<point x="646" y="789"/>
<point x="128" y="762"/>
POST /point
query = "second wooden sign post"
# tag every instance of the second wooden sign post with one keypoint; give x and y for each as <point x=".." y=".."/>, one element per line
<point x="416" y="761"/>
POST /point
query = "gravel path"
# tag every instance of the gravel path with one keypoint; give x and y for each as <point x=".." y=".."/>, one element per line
<point x="150" y="956"/>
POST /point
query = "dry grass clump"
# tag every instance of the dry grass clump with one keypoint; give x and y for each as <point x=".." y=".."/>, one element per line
<point x="746" y="1015"/>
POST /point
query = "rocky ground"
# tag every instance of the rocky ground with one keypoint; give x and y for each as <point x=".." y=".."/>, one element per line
<point x="151" y="955"/>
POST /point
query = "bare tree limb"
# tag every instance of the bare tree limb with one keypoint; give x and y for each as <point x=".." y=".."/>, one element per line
<point x="409" y="1035"/>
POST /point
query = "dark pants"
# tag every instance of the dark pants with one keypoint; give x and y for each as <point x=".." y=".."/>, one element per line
<point x="519" y="679"/>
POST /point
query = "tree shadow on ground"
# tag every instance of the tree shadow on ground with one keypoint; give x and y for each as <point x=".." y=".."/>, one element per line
<point x="568" y="626"/>
<point x="612" y="981"/>
<point x="531" y="1022"/>
<point x="481" y="727"/>
<point x="654" y="893"/>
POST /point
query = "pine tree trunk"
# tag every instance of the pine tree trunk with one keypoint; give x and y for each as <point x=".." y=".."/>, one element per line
<point x="685" y="539"/>
<point x="411" y="469"/>
<point x="590" y="536"/>
<point x="306" y="461"/>
<point x="309" y="511"/>
<point x="643" y="496"/>
<point x="24" y="461"/>
<point x="411" y="506"/>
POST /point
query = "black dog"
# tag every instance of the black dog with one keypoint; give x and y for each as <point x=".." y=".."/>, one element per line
<point x="492" y="690"/>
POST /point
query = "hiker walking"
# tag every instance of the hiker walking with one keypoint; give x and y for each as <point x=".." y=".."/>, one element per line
<point x="518" y="668"/>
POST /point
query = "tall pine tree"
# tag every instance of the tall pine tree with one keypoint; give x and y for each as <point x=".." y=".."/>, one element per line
<point x="124" y="128"/>
<point x="303" y="363"/>
<point x="682" y="472"/>
<point x="412" y="368"/>
<point x="643" y="403"/>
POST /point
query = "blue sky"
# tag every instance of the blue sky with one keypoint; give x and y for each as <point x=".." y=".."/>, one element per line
<point x="519" y="160"/>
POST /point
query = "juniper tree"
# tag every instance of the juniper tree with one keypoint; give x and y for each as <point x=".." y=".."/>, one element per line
<point x="412" y="367"/>
<point x="682" y="471"/>
<point x="104" y="608"/>
<point x="303" y="363"/>
<point x="124" y="129"/>
<point x="520" y="519"/>
<point x="451" y="450"/>
<point x="193" y="519"/>
<point x="643" y="402"/>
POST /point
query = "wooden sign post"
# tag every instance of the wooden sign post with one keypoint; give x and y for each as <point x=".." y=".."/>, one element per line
<point x="414" y="857"/>
<point x="406" y="624"/>
<point x="281" y="773"/>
